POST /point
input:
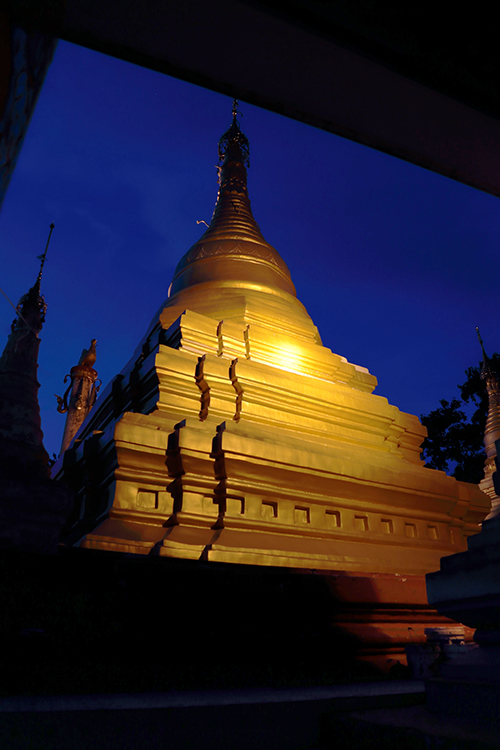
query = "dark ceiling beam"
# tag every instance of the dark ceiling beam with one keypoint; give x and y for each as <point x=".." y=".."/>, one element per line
<point x="305" y="66"/>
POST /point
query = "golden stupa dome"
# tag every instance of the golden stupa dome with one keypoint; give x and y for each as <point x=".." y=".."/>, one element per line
<point x="233" y="249"/>
<point x="232" y="272"/>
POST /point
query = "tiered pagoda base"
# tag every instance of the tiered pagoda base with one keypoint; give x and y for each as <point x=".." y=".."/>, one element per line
<point x="358" y="513"/>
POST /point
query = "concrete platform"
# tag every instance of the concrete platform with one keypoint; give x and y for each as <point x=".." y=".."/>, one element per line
<point x="267" y="719"/>
<point x="406" y="728"/>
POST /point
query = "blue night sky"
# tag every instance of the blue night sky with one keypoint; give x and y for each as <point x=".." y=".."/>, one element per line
<point x="395" y="265"/>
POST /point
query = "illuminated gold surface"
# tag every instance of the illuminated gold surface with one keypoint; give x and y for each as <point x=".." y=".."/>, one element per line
<point x="79" y="397"/>
<point x="234" y="435"/>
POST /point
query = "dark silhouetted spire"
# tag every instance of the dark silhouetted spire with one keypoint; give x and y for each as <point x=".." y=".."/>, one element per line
<point x="491" y="430"/>
<point x="33" y="508"/>
<point x="233" y="144"/>
<point x="20" y="427"/>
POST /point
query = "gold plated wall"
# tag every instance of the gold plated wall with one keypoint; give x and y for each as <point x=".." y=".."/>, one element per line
<point x="241" y="461"/>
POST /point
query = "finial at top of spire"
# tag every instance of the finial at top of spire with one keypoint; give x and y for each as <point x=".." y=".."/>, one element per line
<point x="234" y="145"/>
<point x="42" y="258"/>
<point x="481" y="343"/>
<point x="486" y="370"/>
<point x="32" y="307"/>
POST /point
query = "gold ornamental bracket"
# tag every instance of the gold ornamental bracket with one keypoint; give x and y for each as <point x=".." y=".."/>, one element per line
<point x="62" y="401"/>
<point x="78" y="373"/>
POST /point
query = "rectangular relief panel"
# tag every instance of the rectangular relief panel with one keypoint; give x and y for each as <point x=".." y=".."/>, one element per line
<point x="210" y="506"/>
<point x="147" y="499"/>
<point x="411" y="530"/>
<point x="301" y="515"/>
<point x="387" y="525"/>
<point x="269" y="510"/>
<point x="235" y="506"/>
<point x="361" y="523"/>
<point x="333" y="519"/>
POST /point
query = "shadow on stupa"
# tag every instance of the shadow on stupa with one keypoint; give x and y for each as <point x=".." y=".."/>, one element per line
<point x="94" y="622"/>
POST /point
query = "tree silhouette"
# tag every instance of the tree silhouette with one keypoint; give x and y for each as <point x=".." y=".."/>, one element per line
<point x="455" y="440"/>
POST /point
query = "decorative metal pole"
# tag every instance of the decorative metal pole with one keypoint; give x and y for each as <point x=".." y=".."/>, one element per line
<point x="80" y="395"/>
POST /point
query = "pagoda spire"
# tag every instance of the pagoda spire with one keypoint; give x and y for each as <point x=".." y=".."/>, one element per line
<point x="33" y="508"/>
<point x="232" y="213"/>
<point x="234" y="145"/>
<point x="233" y="242"/>
<point x="20" y="425"/>
<point x="492" y="429"/>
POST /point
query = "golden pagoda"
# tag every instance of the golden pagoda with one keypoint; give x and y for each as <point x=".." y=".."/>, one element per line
<point x="233" y="435"/>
